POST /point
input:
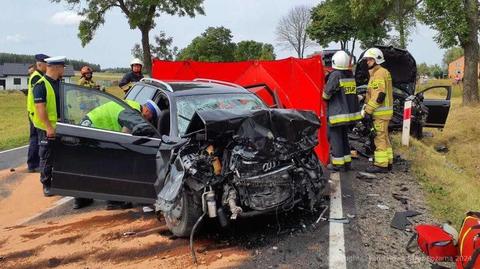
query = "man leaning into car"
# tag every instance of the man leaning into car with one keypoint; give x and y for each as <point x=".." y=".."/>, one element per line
<point x="113" y="117"/>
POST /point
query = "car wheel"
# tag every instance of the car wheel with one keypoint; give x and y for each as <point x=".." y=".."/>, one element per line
<point x="182" y="217"/>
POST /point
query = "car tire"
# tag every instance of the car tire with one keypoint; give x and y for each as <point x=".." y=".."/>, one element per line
<point x="184" y="215"/>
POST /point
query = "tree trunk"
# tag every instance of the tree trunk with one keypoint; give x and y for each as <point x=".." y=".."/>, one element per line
<point x="147" y="55"/>
<point x="401" y="32"/>
<point x="353" y="48"/>
<point x="471" y="47"/>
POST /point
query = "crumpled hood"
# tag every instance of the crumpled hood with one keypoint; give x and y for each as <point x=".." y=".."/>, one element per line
<point x="262" y="134"/>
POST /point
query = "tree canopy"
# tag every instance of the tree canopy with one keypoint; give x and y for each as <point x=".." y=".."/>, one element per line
<point x="292" y="30"/>
<point x="140" y="14"/>
<point x="162" y="49"/>
<point x="457" y="23"/>
<point x="30" y="59"/>
<point x="216" y="45"/>
<point x="452" y="54"/>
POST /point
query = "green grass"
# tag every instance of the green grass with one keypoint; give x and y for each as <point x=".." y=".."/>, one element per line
<point x="14" y="129"/>
<point x="450" y="180"/>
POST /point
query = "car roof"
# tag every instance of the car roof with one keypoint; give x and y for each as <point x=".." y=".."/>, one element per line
<point x="184" y="88"/>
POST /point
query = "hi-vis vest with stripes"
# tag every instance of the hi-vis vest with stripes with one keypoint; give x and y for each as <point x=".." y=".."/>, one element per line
<point x="30" y="101"/>
<point x="343" y="103"/>
<point x="50" y="105"/>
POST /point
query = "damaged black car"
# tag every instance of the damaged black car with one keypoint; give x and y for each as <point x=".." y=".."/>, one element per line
<point x="215" y="150"/>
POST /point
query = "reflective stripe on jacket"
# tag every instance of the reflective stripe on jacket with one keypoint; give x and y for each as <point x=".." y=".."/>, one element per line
<point x="380" y="82"/>
<point x="341" y="95"/>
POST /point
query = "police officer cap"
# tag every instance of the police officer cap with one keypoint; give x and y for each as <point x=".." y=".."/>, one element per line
<point x="153" y="108"/>
<point x="41" y="57"/>
<point x="57" y="60"/>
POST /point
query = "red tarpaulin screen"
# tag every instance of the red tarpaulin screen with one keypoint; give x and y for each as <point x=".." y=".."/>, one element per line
<point x="298" y="82"/>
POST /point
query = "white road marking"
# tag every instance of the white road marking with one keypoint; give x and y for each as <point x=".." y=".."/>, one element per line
<point x="57" y="204"/>
<point x="8" y="150"/>
<point x="336" y="253"/>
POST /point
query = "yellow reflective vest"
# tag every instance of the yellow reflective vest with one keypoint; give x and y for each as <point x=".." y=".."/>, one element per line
<point x="106" y="116"/>
<point x="51" y="106"/>
<point x="30" y="102"/>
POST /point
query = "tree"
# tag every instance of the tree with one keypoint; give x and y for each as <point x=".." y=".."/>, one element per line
<point x="402" y="16"/>
<point x="436" y="71"/>
<point x="457" y="23"/>
<point x="292" y="30"/>
<point x="423" y="69"/>
<point x="140" y="14"/>
<point x="253" y="50"/>
<point x="162" y="49"/>
<point x="346" y="21"/>
<point x="451" y="55"/>
<point x="213" y="45"/>
<point x="329" y="24"/>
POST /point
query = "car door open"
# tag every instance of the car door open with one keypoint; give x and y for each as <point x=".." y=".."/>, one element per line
<point x="103" y="163"/>
<point x="437" y="100"/>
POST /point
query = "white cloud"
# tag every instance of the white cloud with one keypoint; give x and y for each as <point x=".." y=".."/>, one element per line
<point x="66" y="18"/>
<point x="16" y="38"/>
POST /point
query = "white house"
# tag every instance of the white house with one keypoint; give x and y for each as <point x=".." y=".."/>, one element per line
<point x="14" y="76"/>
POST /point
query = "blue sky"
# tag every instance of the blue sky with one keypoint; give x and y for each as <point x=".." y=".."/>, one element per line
<point x="34" y="26"/>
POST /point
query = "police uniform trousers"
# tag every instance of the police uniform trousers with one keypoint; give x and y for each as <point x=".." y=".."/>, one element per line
<point x="46" y="157"/>
<point x="33" y="159"/>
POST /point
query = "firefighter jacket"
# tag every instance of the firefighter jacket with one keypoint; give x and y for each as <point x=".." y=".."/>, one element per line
<point x="379" y="99"/>
<point x="341" y="96"/>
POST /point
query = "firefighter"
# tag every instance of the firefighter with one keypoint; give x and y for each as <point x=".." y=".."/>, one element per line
<point x="340" y="94"/>
<point x="86" y="79"/>
<point x="134" y="75"/>
<point x="379" y="109"/>
<point x="87" y="101"/>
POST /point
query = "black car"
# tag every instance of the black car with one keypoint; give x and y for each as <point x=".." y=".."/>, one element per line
<point x="430" y="106"/>
<point x="216" y="149"/>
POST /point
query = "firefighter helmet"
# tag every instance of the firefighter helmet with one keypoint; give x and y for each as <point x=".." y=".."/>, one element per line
<point x="375" y="54"/>
<point x="136" y="61"/>
<point x="341" y="60"/>
<point x="85" y="70"/>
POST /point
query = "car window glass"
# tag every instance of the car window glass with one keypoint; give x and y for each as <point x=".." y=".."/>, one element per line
<point x="95" y="109"/>
<point x="187" y="105"/>
<point x="145" y="94"/>
<point x="134" y="92"/>
<point x="436" y="93"/>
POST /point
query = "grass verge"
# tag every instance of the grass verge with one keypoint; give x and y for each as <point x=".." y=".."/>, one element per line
<point x="450" y="180"/>
<point x="14" y="130"/>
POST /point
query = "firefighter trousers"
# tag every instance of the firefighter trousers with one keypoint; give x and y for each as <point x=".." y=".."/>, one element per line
<point x="339" y="145"/>
<point x="383" y="148"/>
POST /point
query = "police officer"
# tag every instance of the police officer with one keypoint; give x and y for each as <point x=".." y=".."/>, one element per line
<point x="33" y="160"/>
<point x="379" y="109"/>
<point x="45" y="114"/>
<point x="134" y="75"/>
<point x="340" y="94"/>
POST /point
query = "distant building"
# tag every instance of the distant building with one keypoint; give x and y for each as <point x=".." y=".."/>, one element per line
<point x="457" y="68"/>
<point x="14" y="76"/>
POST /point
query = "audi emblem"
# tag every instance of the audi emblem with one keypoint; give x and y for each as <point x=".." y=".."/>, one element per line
<point x="269" y="166"/>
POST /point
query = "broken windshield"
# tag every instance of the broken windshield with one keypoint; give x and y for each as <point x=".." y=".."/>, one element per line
<point x="187" y="105"/>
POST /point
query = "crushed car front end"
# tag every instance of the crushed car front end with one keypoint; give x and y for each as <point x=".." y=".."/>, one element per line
<point x="240" y="163"/>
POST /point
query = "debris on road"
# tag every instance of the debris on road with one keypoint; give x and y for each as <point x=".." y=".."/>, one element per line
<point x="339" y="220"/>
<point x="383" y="207"/>
<point x="400" y="220"/>
<point x="402" y="198"/>
<point x="365" y="175"/>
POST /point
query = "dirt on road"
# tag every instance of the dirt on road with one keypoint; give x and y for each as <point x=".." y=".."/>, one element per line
<point x="133" y="239"/>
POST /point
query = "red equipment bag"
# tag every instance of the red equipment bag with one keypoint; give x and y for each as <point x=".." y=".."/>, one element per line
<point x="469" y="242"/>
<point x="434" y="242"/>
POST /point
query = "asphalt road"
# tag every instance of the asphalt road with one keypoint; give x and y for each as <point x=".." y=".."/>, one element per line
<point x="13" y="157"/>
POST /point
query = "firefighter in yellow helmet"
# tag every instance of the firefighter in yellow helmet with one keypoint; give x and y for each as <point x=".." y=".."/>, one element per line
<point x="379" y="109"/>
<point x="86" y="101"/>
